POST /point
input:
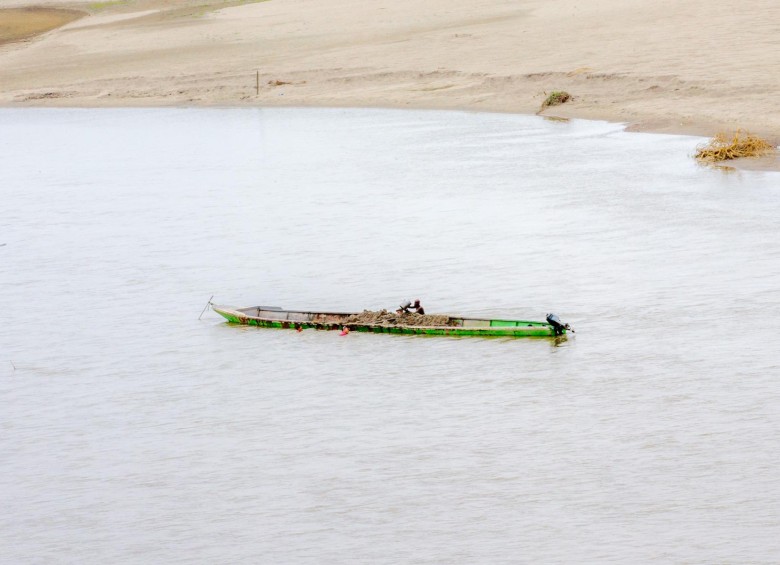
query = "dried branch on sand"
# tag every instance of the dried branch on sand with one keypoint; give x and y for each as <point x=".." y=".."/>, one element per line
<point x="741" y="144"/>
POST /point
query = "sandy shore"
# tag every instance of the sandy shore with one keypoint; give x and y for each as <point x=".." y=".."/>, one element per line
<point x="693" y="67"/>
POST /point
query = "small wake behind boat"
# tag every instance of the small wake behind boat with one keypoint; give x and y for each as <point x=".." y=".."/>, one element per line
<point x="387" y="322"/>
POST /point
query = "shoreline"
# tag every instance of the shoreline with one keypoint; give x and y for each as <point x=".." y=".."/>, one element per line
<point x="768" y="163"/>
<point x="176" y="53"/>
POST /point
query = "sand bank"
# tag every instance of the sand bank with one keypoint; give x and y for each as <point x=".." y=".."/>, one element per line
<point x="657" y="65"/>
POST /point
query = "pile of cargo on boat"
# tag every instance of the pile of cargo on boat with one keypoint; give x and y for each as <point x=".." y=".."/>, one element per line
<point x="384" y="317"/>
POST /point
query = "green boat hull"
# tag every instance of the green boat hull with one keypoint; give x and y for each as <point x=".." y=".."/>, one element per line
<point x="337" y="321"/>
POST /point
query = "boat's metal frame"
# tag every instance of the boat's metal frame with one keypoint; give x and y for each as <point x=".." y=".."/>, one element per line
<point x="274" y="317"/>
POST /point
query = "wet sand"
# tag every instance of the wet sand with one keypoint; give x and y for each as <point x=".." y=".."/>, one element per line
<point x="658" y="66"/>
<point x="17" y="24"/>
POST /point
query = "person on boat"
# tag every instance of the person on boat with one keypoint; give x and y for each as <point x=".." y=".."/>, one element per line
<point x="409" y="307"/>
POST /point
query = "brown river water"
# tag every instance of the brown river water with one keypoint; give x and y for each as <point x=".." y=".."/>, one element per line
<point x="132" y="432"/>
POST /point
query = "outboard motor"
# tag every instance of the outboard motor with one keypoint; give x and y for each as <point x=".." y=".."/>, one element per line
<point x="558" y="327"/>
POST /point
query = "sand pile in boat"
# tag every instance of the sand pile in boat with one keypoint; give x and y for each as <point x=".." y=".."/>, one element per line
<point x="386" y="318"/>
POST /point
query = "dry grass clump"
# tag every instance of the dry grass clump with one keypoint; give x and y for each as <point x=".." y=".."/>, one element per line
<point x="555" y="98"/>
<point x="741" y="144"/>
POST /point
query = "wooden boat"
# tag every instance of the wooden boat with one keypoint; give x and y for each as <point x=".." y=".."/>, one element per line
<point x="274" y="317"/>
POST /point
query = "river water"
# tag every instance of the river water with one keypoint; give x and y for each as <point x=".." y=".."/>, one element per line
<point x="132" y="432"/>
